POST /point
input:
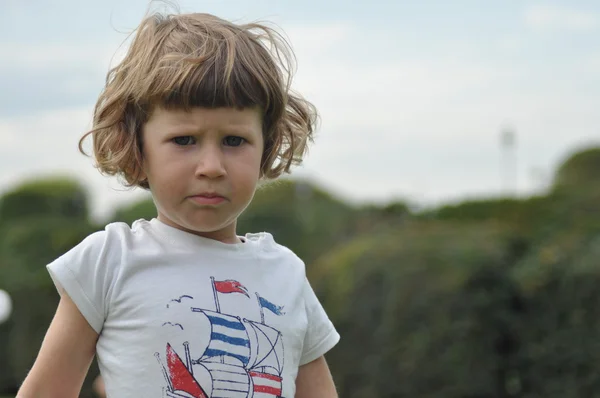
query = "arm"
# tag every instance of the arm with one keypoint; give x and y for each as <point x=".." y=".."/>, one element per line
<point x="314" y="380"/>
<point x="64" y="358"/>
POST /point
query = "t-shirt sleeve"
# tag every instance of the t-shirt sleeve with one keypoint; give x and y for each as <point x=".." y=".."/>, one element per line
<point x="85" y="274"/>
<point x="321" y="335"/>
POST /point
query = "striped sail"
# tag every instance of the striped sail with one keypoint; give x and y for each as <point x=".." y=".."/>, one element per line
<point x="228" y="337"/>
<point x="229" y="381"/>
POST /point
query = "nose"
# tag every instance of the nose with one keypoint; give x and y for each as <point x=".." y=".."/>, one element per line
<point x="210" y="162"/>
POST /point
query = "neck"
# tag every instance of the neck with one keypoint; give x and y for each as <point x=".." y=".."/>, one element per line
<point x="225" y="235"/>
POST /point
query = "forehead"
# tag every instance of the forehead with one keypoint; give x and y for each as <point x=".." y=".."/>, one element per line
<point x="202" y="119"/>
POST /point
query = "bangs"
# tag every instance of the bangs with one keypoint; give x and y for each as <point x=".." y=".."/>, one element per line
<point x="217" y="75"/>
<point x="208" y="86"/>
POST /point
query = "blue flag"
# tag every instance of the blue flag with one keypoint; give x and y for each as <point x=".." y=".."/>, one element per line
<point x="275" y="309"/>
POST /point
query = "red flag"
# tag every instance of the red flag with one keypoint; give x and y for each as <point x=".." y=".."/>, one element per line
<point x="230" y="286"/>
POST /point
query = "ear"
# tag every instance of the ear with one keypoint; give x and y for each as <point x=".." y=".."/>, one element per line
<point x="141" y="159"/>
<point x="142" y="173"/>
<point x="142" y="180"/>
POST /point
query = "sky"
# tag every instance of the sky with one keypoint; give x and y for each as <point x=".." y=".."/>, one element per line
<point x="413" y="96"/>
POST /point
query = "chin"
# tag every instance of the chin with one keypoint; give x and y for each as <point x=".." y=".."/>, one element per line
<point x="206" y="226"/>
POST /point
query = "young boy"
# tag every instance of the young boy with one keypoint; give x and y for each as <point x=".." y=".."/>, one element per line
<point x="198" y="112"/>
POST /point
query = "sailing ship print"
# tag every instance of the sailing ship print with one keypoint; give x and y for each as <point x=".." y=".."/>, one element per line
<point x="243" y="357"/>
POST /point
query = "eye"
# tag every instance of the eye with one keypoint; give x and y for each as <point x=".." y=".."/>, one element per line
<point x="233" y="141"/>
<point x="184" y="140"/>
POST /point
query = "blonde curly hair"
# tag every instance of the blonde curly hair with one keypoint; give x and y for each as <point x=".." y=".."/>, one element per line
<point x="181" y="61"/>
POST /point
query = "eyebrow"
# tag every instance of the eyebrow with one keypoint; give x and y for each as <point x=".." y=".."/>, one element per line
<point x="191" y="130"/>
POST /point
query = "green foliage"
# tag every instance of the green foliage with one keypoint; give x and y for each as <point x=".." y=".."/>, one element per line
<point x="579" y="172"/>
<point x="40" y="221"/>
<point x="429" y="304"/>
<point x="59" y="197"/>
<point x="142" y="209"/>
<point x="27" y="246"/>
<point x="525" y="215"/>
<point x="559" y="353"/>
<point x="7" y="373"/>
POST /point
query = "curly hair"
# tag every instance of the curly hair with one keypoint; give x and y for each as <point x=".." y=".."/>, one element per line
<point x="181" y="61"/>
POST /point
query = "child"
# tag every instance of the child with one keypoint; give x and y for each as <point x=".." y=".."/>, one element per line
<point x="198" y="111"/>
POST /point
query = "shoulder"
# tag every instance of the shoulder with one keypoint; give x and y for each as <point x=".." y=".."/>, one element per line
<point x="109" y="240"/>
<point x="270" y="249"/>
<point x="87" y="273"/>
<point x="105" y="246"/>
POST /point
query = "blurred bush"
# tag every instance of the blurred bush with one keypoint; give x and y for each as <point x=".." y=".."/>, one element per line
<point x="59" y="197"/>
<point x="39" y="221"/>
<point x="426" y="310"/>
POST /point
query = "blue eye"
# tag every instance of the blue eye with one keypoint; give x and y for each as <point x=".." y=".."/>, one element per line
<point x="184" y="140"/>
<point x="233" y="141"/>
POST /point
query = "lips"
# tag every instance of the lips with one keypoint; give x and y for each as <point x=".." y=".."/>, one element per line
<point x="208" y="198"/>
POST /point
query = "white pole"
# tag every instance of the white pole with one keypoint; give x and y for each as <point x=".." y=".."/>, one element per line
<point x="509" y="163"/>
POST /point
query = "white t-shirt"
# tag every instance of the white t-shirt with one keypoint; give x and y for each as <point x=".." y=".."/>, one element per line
<point x="179" y="315"/>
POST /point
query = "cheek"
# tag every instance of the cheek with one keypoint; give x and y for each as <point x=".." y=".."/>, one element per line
<point x="162" y="170"/>
<point x="248" y="167"/>
<point x="256" y="159"/>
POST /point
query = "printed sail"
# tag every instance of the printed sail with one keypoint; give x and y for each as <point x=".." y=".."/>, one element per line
<point x="229" y="381"/>
<point x="182" y="383"/>
<point x="228" y="337"/>
<point x="267" y="347"/>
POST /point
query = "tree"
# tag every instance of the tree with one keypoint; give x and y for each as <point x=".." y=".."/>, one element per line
<point x="427" y="311"/>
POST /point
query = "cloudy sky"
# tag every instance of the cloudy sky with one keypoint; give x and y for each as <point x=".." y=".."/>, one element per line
<point x="413" y="95"/>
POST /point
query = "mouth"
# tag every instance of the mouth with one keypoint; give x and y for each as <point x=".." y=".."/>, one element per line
<point x="208" y="198"/>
